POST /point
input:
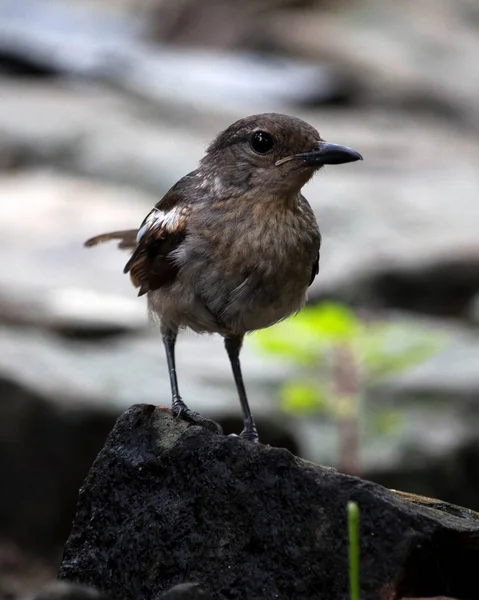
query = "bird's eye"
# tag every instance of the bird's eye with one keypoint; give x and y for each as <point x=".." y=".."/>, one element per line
<point x="261" y="142"/>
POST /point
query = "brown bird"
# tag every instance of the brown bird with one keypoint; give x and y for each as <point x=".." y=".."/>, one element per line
<point x="234" y="245"/>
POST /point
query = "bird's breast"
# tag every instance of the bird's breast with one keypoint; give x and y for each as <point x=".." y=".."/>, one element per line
<point x="254" y="269"/>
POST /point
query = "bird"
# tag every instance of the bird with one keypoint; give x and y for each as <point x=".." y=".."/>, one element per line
<point x="234" y="245"/>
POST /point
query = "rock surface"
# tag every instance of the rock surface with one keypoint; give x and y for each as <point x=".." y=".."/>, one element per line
<point x="165" y="502"/>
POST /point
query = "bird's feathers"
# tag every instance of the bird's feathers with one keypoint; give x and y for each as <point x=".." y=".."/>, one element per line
<point x="126" y="237"/>
<point x="152" y="263"/>
<point x="315" y="270"/>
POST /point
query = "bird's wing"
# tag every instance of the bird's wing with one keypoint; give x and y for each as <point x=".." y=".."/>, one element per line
<point x="315" y="269"/>
<point x="152" y="263"/>
<point x="312" y="226"/>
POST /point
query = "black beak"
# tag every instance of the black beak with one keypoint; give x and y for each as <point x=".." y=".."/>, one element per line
<point x="329" y="154"/>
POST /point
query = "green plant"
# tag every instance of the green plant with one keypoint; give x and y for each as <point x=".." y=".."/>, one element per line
<point x="353" y="544"/>
<point x="339" y="356"/>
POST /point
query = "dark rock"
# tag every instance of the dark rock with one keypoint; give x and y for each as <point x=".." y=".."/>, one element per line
<point x="442" y="286"/>
<point x="165" y="503"/>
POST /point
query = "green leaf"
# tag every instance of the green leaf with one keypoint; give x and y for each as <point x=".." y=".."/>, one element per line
<point x="331" y="321"/>
<point x="308" y="337"/>
<point x="298" y="397"/>
<point x="290" y="339"/>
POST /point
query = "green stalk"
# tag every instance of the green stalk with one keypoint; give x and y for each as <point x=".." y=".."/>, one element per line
<point x="353" y="530"/>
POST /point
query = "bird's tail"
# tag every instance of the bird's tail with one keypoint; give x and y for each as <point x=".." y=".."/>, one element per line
<point x="127" y="239"/>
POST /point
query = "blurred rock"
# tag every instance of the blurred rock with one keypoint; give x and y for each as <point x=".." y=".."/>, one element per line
<point x="418" y="56"/>
<point x="441" y="284"/>
<point x="45" y="279"/>
<point x="63" y="590"/>
<point x="73" y="311"/>
<point x="451" y="372"/>
<point x="435" y="598"/>
<point x="185" y="591"/>
<point x="165" y="501"/>
<point x="46" y="448"/>
<point x="392" y="237"/>
<point x="72" y="40"/>
<point x="21" y="573"/>
<point x="91" y="374"/>
<point x="474" y="309"/>
<point x="452" y="474"/>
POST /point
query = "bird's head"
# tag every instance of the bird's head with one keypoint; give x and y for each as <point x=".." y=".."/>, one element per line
<point x="273" y="152"/>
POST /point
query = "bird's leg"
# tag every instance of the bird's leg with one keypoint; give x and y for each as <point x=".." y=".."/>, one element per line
<point x="233" y="347"/>
<point x="178" y="407"/>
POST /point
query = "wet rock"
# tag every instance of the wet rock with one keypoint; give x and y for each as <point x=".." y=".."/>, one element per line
<point x="165" y="502"/>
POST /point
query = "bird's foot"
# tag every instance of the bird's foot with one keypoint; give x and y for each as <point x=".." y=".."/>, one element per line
<point x="249" y="433"/>
<point x="181" y="411"/>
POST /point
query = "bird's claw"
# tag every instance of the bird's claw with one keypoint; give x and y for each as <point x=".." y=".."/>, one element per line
<point x="251" y="436"/>
<point x="181" y="411"/>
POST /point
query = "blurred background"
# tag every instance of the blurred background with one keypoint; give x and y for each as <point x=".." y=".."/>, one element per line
<point x="104" y="104"/>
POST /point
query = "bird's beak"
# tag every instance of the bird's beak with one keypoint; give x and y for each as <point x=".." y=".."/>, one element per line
<point x="325" y="153"/>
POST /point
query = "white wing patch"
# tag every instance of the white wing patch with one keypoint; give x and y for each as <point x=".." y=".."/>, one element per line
<point x="157" y="218"/>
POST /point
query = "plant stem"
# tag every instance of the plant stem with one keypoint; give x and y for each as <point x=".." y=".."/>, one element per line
<point x="347" y="386"/>
<point x="353" y="531"/>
